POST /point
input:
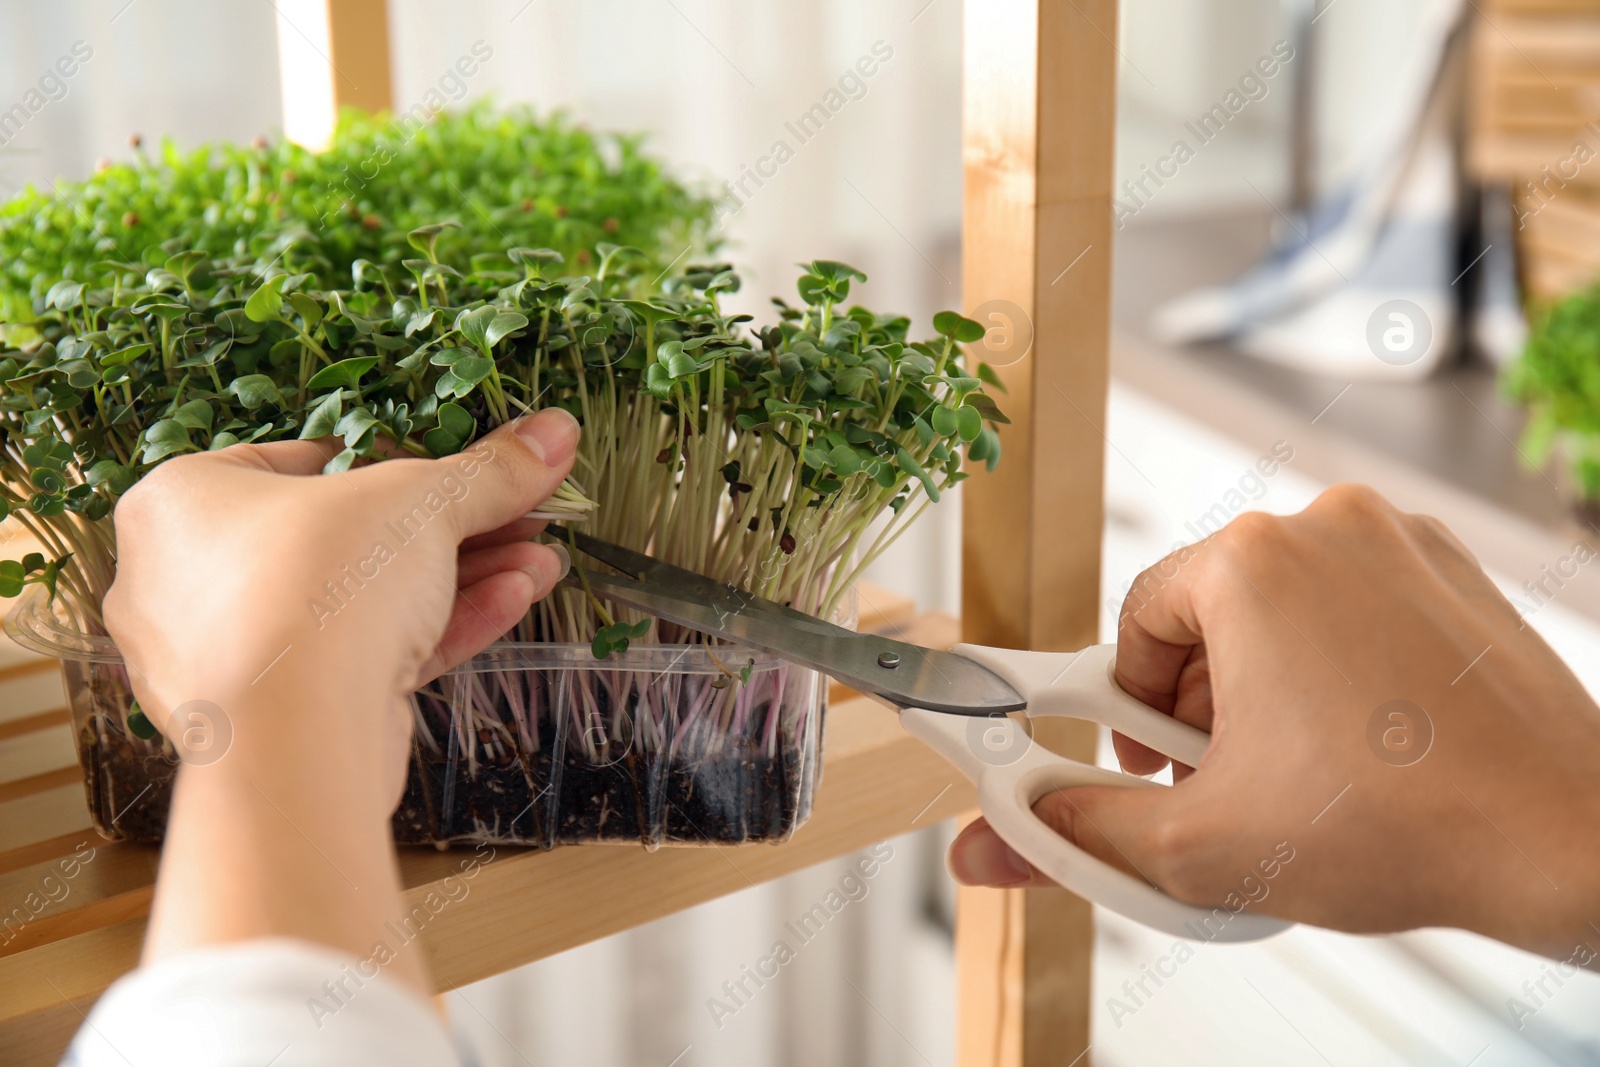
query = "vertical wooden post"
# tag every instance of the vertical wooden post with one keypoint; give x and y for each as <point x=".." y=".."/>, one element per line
<point x="331" y="54"/>
<point x="1038" y="134"/>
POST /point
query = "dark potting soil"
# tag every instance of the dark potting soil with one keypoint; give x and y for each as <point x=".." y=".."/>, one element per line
<point x="130" y="790"/>
<point x="737" y="795"/>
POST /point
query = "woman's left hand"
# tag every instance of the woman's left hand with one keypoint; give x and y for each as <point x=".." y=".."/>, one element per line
<point x="275" y="624"/>
<point x="236" y="565"/>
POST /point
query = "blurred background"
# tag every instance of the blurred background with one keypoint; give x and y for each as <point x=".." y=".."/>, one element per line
<point x="1425" y="153"/>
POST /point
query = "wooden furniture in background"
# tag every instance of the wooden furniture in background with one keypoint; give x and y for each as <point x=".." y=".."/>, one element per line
<point x="1037" y="131"/>
<point x="331" y="54"/>
<point x="1535" y="127"/>
<point x="1038" y="127"/>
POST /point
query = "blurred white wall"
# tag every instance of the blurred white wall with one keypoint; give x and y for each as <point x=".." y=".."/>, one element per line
<point x="190" y="69"/>
<point x="1181" y="57"/>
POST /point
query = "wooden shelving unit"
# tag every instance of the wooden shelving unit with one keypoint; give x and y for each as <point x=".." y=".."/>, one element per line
<point x="1535" y="127"/>
<point x="1038" y="127"/>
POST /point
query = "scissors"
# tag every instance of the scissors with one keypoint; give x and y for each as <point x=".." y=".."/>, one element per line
<point x="957" y="702"/>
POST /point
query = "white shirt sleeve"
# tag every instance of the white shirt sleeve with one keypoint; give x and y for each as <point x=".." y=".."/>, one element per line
<point x="277" y="1002"/>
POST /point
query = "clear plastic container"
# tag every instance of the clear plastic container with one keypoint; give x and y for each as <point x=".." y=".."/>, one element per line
<point x="525" y="744"/>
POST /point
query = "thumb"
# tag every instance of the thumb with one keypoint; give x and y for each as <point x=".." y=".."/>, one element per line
<point x="1131" y="829"/>
<point x="502" y="477"/>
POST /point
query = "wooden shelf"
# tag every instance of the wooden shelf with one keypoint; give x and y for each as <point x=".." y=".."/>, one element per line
<point x="1534" y="90"/>
<point x="878" y="782"/>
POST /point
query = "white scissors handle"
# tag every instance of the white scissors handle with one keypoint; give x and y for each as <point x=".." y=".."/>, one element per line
<point x="1012" y="773"/>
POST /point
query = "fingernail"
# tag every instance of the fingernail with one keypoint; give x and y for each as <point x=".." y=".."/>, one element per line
<point x="565" y="557"/>
<point x="984" y="859"/>
<point x="538" y="573"/>
<point x="551" y="433"/>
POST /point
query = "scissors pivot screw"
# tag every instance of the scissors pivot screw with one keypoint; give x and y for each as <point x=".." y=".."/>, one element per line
<point x="888" y="660"/>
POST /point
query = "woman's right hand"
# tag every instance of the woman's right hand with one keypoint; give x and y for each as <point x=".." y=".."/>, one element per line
<point x="1380" y="714"/>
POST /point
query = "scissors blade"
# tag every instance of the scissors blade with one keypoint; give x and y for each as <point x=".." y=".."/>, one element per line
<point x="904" y="674"/>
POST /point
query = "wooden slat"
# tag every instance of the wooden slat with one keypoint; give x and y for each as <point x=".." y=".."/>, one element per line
<point x="48" y="850"/>
<point x="31" y="692"/>
<point x="32" y="752"/>
<point x="95" y="884"/>
<point x="1538" y="7"/>
<point x="358" y="36"/>
<point x="27" y="669"/>
<point x="28" y="724"/>
<point x="50" y="989"/>
<point x="40" y="783"/>
<point x="41" y="816"/>
<point x="1532" y="92"/>
<point x="1038" y="129"/>
<point x="331" y="54"/>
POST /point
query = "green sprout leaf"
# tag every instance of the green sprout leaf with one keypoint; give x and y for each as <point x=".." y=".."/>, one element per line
<point x="266" y="303"/>
<point x="48" y="481"/>
<point x="309" y="309"/>
<point x="323" y="418"/>
<point x="49" y="452"/>
<point x="658" y="380"/>
<point x="358" y="427"/>
<point x="502" y="325"/>
<point x="986" y="447"/>
<point x="682" y="365"/>
<point x="454" y="420"/>
<point x="969" y="422"/>
<point x="254" y="390"/>
<point x="615" y="637"/>
<point x="986" y="408"/>
<point x="165" y="438"/>
<point x="12" y="577"/>
<point x="140" y="725"/>
<point x="425" y="239"/>
<point x="474" y="325"/>
<point x="111" y="474"/>
<point x="908" y="463"/>
<point x="195" y="415"/>
<point x="64" y="295"/>
<point x="345" y="374"/>
<point x="957" y="328"/>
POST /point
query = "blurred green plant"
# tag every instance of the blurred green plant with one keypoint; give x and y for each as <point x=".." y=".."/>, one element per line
<point x="508" y="177"/>
<point x="1558" y="377"/>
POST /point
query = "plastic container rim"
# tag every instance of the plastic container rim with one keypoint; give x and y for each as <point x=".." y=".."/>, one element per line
<point x="34" y="626"/>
